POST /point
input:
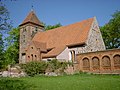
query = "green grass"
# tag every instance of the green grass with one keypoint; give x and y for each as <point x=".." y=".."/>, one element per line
<point x="72" y="82"/>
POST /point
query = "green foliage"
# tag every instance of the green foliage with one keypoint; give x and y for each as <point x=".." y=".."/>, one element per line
<point x="12" y="51"/>
<point x="5" y="24"/>
<point x="11" y="84"/>
<point x="56" y="66"/>
<point x="111" y="32"/>
<point x="4" y="28"/>
<point x="49" y="27"/>
<point x="1" y="52"/>
<point x="34" y="68"/>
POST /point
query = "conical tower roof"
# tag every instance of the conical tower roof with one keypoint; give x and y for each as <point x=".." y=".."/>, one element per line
<point x="32" y="18"/>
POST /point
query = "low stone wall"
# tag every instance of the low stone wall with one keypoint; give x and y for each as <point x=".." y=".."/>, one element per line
<point x="15" y="71"/>
<point x="105" y="62"/>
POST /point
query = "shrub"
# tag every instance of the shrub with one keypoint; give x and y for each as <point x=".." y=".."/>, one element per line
<point x="34" y="68"/>
<point x="56" y="66"/>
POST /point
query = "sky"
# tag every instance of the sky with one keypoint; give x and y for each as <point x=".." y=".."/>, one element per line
<point x="65" y="12"/>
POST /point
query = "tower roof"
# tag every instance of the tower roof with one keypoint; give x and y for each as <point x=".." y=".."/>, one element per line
<point x="31" y="18"/>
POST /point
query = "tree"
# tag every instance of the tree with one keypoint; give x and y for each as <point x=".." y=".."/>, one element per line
<point x="1" y="52"/>
<point x="4" y="28"/>
<point x="49" y="27"/>
<point x="111" y="32"/>
<point x="5" y="24"/>
<point x="12" y="51"/>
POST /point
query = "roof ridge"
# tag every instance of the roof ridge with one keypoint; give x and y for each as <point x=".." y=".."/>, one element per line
<point x="69" y="24"/>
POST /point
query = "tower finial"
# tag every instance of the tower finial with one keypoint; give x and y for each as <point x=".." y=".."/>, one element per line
<point x="32" y="9"/>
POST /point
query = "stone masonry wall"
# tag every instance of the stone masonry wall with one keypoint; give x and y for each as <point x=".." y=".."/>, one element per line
<point x="27" y="32"/>
<point x="94" y="41"/>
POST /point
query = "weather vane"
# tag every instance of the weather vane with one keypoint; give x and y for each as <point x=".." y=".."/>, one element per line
<point x="32" y="7"/>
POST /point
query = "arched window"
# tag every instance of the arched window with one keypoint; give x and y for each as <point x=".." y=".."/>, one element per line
<point x="35" y="57"/>
<point x="95" y="63"/>
<point x="32" y="56"/>
<point x="106" y="61"/>
<point x="116" y="59"/>
<point x="86" y="64"/>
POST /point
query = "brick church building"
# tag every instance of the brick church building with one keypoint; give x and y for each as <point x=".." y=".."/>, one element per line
<point x="62" y="43"/>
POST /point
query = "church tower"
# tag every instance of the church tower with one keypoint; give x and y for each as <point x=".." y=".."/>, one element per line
<point x="29" y="27"/>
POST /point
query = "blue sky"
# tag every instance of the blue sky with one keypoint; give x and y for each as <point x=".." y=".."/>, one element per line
<point x="62" y="11"/>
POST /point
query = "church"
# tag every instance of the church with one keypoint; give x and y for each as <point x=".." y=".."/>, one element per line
<point x="62" y="43"/>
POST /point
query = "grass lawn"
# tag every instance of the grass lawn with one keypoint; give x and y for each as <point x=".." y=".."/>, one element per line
<point x="70" y="82"/>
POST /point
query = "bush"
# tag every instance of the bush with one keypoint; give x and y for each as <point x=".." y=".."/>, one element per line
<point x="56" y="66"/>
<point x="34" y="68"/>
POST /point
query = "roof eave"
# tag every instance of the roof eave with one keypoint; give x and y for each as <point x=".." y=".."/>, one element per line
<point x="76" y="44"/>
<point x="31" y="23"/>
<point x="49" y="56"/>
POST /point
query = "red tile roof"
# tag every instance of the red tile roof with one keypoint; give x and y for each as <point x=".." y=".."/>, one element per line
<point x="54" y="52"/>
<point x="40" y="45"/>
<point x="59" y="38"/>
<point x="32" y="18"/>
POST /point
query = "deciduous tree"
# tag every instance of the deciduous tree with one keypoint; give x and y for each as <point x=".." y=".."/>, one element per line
<point x="49" y="27"/>
<point x="111" y="32"/>
<point x="5" y="23"/>
<point x="1" y="52"/>
<point x="12" y="51"/>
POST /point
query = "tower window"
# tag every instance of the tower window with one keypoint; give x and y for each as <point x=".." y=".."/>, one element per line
<point x="32" y="33"/>
<point x="23" y="36"/>
<point x="23" y="40"/>
<point x="36" y="29"/>
<point x="24" y="29"/>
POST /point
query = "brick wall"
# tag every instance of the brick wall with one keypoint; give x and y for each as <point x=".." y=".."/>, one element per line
<point x="107" y="61"/>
